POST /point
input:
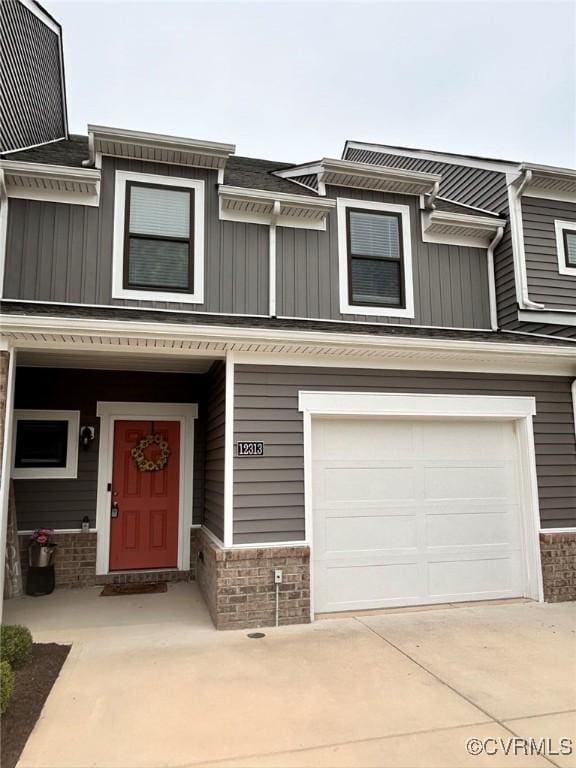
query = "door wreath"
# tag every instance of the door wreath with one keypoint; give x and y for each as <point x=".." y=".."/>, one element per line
<point x="142" y="462"/>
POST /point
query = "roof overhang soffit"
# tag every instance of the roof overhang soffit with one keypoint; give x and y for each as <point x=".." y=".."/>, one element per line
<point x="347" y="173"/>
<point x="545" y="181"/>
<point x="464" y="229"/>
<point x="158" y="148"/>
<point x="309" y="347"/>
<point x="37" y="181"/>
<point x="264" y="207"/>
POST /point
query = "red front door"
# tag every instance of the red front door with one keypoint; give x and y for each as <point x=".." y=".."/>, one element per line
<point x="144" y="533"/>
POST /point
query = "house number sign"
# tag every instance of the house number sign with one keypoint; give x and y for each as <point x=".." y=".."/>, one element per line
<point x="250" y="448"/>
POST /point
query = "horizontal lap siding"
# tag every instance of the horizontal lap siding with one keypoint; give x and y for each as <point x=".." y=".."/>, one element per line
<point x="214" y="465"/>
<point x="269" y="491"/>
<point x="450" y="282"/>
<point x="63" y="503"/>
<point x="545" y="283"/>
<point x="63" y="253"/>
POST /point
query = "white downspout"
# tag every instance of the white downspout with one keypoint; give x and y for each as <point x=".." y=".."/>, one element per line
<point x="3" y="228"/>
<point x="492" y="278"/>
<point x="430" y="200"/>
<point x="514" y="198"/>
<point x="272" y="259"/>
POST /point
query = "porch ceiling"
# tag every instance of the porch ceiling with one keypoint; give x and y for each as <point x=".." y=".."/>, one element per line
<point x="113" y="360"/>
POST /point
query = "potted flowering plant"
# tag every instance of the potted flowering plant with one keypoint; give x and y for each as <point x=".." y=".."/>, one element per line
<point x="41" y="548"/>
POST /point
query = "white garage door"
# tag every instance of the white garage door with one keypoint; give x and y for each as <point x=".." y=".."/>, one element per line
<point x="414" y="512"/>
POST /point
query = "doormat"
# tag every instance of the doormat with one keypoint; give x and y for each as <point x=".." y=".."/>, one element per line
<point x="146" y="588"/>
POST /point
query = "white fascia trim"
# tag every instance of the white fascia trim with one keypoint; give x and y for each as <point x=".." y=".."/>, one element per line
<point x="551" y="317"/>
<point x="6" y="463"/>
<point x="3" y="230"/>
<point x="480" y="229"/>
<point x="249" y="194"/>
<point x="118" y="290"/>
<point x="136" y="409"/>
<point x="514" y="184"/>
<point x="349" y="309"/>
<point x="280" y="206"/>
<point x="550" y="194"/>
<point x="558" y="530"/>
<point x="215" y="149"/>
<point x="559" y="227"/>
<point x="41" y="14"/>
<point x="72" y="326"/>
<point x="82" y="185"/>
<point x="70" y="471"/>
<point x="501" y="166"/>
<point x="410" y="405"/>
<point x="229" y="452"/>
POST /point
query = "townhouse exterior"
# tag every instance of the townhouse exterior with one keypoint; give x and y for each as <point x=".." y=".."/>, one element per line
<point x="333" y="386"/>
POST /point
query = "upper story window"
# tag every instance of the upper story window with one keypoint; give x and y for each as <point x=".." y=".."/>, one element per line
<point x="566" y="246"/>
<point x="158" y="238"/>
<point x="375" y="259"/>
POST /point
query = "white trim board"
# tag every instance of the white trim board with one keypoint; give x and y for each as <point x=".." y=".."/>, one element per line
<point x="229" y="452"/>
<point x="463" y="407"/>
<point x="6" y="461"/>
<point x="118" y="255"/>
<point x="70" y="471"/>
<point x="559" y="227"/>
<point x="551" y="317"/>
<point x="108" y="413"/>
<point x="350" y="309"/>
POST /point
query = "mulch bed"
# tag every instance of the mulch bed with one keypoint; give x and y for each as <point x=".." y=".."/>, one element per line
<point x="32" y="684"/>
<point x="146" y="588"/>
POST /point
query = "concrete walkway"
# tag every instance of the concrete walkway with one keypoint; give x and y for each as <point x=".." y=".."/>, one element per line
<point x="150" y="683"/>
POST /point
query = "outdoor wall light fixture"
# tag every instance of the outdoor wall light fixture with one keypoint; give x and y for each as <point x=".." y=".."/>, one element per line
<point x="86" y="437"/>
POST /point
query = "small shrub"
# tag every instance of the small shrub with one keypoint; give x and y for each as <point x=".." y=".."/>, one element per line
<point x="15" y="645"/>
<point x="6" y="685"/>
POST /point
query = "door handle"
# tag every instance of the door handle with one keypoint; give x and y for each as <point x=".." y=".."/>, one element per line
<point x="115" y="511"/>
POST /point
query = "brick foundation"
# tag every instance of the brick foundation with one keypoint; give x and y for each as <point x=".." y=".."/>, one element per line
<point x="238" y="584"/>
<point x="558" y="551"/>
<point x="74" y="562"/>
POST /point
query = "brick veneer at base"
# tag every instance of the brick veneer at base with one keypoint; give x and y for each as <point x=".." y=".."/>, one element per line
<point x="74" y="561"/>
<point x="558" y="551"/>
<point x="238" y="584"/>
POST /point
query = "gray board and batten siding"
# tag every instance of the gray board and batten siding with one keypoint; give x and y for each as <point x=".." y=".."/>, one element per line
<point x="483" y="188"/>
<point x="63" y="253"/>
<point x="215" y="450"/>
<point x="450" y="282"/>
<point x="545" y="283"/>
<point x="31" y="78"/>
<point x="61" y="504"/>
<point x="269" y="491"/>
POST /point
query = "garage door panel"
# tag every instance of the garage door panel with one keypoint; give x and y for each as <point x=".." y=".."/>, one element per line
<point x="361" y="484"/>
<point x="359" y="533"/>
<point x="350" y="588"/>
<point x="466" y="482"/>
<point x="474" y="579"/>
<point x="499" y="526"/>
<point x="466" y="440"/>
<point x="332" y="439"/>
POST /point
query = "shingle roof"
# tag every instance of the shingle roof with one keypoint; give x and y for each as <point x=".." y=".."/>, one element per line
<point x="239" y="172"/>
<point x="190" y="318"/>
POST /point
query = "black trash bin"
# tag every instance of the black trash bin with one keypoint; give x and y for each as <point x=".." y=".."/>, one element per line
<point x="40" y="579"/>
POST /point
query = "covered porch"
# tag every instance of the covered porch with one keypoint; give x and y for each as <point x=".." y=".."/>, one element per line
<point x="121" y="455"/>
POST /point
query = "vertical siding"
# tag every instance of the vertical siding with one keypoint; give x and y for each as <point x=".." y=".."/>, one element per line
<point x="31" y="77"/>
<point x="63" y="253"/>
<point x="63" y="503"/>
<point x="450" y="282"/>
<point x="545" y="283"/>
<point x="269" y="491"/>
<point x="214" y="452"/>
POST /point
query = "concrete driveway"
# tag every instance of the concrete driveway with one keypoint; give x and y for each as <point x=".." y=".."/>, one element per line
<point x="149" y="683"/>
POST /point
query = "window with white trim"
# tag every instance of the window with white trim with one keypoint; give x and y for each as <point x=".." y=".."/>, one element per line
<point x="375" y="259"/>
<point x="158" y="238"/>
<point x="566" y="246"/>
<point x="45" y="444"/>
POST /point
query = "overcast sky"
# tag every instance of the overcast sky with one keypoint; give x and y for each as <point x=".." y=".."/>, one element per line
<point x="291" y="81"/>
